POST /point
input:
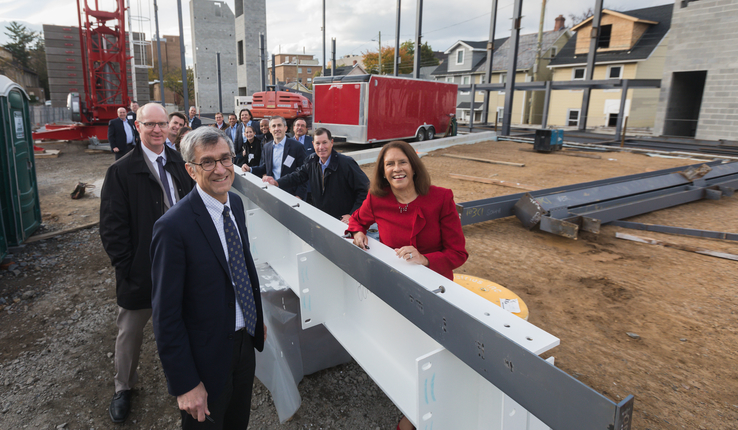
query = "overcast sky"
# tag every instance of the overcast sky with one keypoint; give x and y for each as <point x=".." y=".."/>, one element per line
<point x="294" y="25"/>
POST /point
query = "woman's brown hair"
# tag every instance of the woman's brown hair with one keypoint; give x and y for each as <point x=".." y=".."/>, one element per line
<point x="421" y="178"/>
<point x="180" y="135"/>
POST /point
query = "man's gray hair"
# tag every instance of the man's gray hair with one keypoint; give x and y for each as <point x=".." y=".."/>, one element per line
<point x="280" y="118"/>
<point x="202" y="137"/>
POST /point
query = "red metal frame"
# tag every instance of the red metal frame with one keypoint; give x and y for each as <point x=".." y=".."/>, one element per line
<point x="104" y="60"/>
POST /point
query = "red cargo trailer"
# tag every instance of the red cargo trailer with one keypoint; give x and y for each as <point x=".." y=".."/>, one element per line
<point x="372" y="108"/>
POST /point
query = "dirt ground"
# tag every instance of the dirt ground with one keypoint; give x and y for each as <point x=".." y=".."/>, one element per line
<point x="590" y="292"/>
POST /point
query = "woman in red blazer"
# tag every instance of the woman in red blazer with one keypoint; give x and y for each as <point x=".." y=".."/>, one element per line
<point x="414" y="217"/>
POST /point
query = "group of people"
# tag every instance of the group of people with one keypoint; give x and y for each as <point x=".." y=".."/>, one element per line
<point x="177" y="238"/>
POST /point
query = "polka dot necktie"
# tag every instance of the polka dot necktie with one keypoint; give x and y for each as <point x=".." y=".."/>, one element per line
<point x="239" y="273"/>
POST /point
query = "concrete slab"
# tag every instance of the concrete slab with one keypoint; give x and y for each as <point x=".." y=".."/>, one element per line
<point x="367" y="156"/>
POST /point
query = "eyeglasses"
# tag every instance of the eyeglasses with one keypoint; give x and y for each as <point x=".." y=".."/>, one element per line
<point x="209" y="165"/>
<point x="151" y="125"/>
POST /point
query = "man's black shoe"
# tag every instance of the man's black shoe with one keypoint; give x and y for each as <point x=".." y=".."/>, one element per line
<point x="120" y="406"/>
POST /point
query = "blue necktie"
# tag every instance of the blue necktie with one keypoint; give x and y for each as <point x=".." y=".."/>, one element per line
<point x="164" y="179"/>
<point x="239" y="272"/>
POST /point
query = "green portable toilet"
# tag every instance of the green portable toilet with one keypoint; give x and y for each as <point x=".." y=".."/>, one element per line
<point x="3" y="240"/>
<point x="21" y="214"/>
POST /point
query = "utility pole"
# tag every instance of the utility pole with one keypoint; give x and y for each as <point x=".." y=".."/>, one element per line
<point x="380" y="52"/>
<point x="133" y="53"/>
<point x="185" y="83"/>
<point x="530" y="98"/>
<point x="397" y="41"/>
<point x="158" y="50"/>
<point x="323" y="28"/>
<point x="220" y="89"/>
<point x="490" y="56"/>
<point x="333" y="57"/>
<point x="418" y="32"/>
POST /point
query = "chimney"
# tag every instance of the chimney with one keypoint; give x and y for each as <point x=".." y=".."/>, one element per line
<point x="354" y="62"/>
<point x="560" y="23"/>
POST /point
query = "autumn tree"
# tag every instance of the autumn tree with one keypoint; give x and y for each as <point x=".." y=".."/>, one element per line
<point x="371" y="59"/>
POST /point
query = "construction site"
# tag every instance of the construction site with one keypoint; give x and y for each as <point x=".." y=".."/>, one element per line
<point x="599" y="292"/>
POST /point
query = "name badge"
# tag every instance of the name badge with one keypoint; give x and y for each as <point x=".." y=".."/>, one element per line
<point x="289" y="160"/>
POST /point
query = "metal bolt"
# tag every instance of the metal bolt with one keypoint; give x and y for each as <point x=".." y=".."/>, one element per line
<point x="440" y="289"/>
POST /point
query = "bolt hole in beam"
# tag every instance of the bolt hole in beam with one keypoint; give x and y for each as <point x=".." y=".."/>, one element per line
<point x="507" y="325"/>
<point x="427" y="366"/>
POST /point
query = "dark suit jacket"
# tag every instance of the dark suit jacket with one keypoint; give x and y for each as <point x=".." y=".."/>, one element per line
<point x="193" y="298"/>
<point x="131" y="201"/>
<point x="308" y="144"/>
<point x="117" y="134"/>
<point x="292" y="148"/>
<point x="195" y="123"/>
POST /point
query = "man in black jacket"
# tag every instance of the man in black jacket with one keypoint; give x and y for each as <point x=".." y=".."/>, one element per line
<point x="339" y="185"/>
<point x="122" y="134"/>
<point x="138" y="189"/>
<point x="194" y="120"/>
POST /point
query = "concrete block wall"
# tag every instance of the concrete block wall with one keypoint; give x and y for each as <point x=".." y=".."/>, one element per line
<point x="248" y="26"/>
<point x="213" y="31"/>
<point x="703" y="36"/>
<point x="65" y="70"/>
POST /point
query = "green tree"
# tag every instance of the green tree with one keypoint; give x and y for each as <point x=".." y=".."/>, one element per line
<point x="371" y="60"/>
<point x="38" y="64"/>
<point x="427" y="57"/>
<point x="173" y="82"/>
<point x="21" y="41"/>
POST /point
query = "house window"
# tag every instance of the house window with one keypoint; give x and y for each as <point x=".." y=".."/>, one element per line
<point x="465" y="80"/>
<point x="460" y="56"/>
<point x="577" y="74"/>
<point x="503" y="80"/>
<point x="218" y="11"/>
<point x="240" y="52"/>
<point x="310" y="71"/>
<point x="310" y="80"/>
<point x="450" y="79"/>
<point x="554" y="51"/>
<point x="500" y="113"/>
<point x="605" y="33"/>
<point x="299" y="80"/>
<point x="299" y="70"/>
<point x="615" y="72"/>
<point x="572" y="117"/>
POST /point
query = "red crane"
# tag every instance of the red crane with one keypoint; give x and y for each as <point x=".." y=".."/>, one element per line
<point x="102" y="38"/>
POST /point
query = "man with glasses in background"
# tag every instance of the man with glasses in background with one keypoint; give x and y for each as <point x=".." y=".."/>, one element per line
<point x="137" y="191"/>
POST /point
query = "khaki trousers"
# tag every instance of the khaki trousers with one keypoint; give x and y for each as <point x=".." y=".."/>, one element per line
<point x="128" y="346"/>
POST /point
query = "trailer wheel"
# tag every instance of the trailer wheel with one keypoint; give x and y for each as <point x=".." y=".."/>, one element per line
<point x="431" y="132"/>
<point x="420" y="135"/>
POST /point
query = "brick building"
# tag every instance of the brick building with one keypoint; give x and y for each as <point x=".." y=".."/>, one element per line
<point x="295" y="68"/>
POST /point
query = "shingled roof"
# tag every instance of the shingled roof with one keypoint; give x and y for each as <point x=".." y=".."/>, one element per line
<point x="642" y="49"/>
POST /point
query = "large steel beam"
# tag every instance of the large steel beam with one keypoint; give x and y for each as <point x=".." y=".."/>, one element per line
<point x="417" y="334"/>
<point x="512" y="58"/>
<point x="489" y="61"/>
<point x="589" y="71"/>
<point x="476" y="211"/>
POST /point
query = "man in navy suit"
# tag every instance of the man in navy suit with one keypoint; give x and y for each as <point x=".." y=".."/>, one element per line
<point x="207" y="311"/>
<point x="194" y="120"/>
<point x="122" y="134"/>
<point x="299" y="128"/>
<point x="281" y="157"/>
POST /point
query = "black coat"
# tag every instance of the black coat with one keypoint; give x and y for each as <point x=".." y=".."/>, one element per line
<point x="117" y="134"/>
<point x="253" y="148"/>
<point x="292" y="148"/>
<point x="345" y="186"/>
<point x="131" y="201"/>
<point x="195" y="123"/>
